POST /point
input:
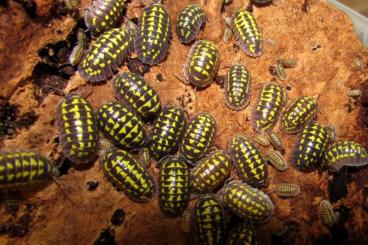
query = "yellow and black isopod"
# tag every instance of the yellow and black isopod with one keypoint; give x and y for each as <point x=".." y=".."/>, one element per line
<point x="246" y="202"/>
<point x="121" y="125"/>
<point x="202" y="63"/>
<point x="198" y="137"/>
<point x="309" y="150"/>
<point x="23" y="168"/>
<point x="298" y="114"/>
<point x="103" y="15"/>
<point x="247" y="33"/>
<point x="167" y="130"/>
<point x="173" y="186"/>
<point x="209" y="220"/>
<point x="243" y="233"/>
<point x="134" y="90"/>
<point x="268" y="107"/>
<point x="248" y="160"/>
<point x="345" y="153"/>
<point x="106" y="54"/>
<point x="153" y="36"/>
<point x="128" y="175"/>
<point x="189" y="23"/>
<point x="210" y="172"/>
<point x="238" y="86"/>
<point x="77" y="127"/>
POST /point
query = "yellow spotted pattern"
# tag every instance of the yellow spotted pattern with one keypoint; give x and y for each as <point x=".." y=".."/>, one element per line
<point x="202" y="63"/>
<point x="345" y="153"/>
<point x="210" y="172"/>
<point x="167" y="132"/>
<point x="121" y="125"/>
<point x="106" y="54"/>
<point x="23" y="168"/>
<point x="298" y="114"/>
<point x="198" y="137"/>
<point x="243" y="233"/>
<point x="247" y="202"/>
<point x="103" y="15"/>
<point x="247" y="33"/>
<point x="152" y="42"/>
<point x="173" y="186"/>
<point x="238" y="85"/>
<point x="310" y="148"/>
<point x="268" y="107"/>
<point x="189" y="23"/>
<point x="134" y="90"/>
<point x="77" y="127"/>
<point x="248" y="160"/>
<point x="209" y="220"/>
<point x="128" y="175"/>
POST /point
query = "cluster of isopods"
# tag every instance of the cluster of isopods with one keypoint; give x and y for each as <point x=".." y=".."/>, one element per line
<point x="184" y="152"/>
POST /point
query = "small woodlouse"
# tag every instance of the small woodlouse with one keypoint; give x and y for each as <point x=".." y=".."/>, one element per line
<point x="345" y="153"/>
<point x="268" y="107"/>
<point x="198" y="137"/>
<point x="238" y="86"/>
<point x="77" y="52"/>
<point x="287" y="62"/>
<point x="209" y="220"/>
<point x="277" y="160"/>
<point x="275" y="141"/>
<point x="103" y="15"/>
<point x="23" y="168"/>
<point x="287" y="189"/>
<point x="173" y="186"/>
<point x="328" y="216"/>
<point x="121" y="125"/>
<point x="278" y="71"/>
<point x="128" y="175"/>
<point x="153" y="36"/>
<point x="106" y="54"/>
<point x="243" y="233"/>
<point x="262" y="140"/>
<point x="134" y="90"/>
<point x="189" y="23"/>
<point x="77" y="127"/>
<point x="202" y="63"/>
<point x="355" y="93"/>
<point x="210" y="172"/>
<point x="248" y="160"/>
<point x="247" y="33"/>
<point x="298" y="114"/>
<point x="246" y="202"/>
<point x="167" y="131"/>
<point x="309" y="150"/>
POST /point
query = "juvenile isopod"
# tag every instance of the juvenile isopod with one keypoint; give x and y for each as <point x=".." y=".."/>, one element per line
<point x="189" y="23"/>
<point x="328" y="215"/>
<point x="277" y="160"/>
<point x="287" y="189"/>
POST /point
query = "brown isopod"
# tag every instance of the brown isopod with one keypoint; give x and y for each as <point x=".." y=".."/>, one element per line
<point x="276" y="141"/>
<point x="328" y="215"/>
<point x="277" y="160"/>
<point x="287" y="189"/>
<point x="262" y="140"/>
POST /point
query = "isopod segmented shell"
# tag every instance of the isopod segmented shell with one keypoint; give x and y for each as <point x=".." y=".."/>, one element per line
<point x="128" y="175"/>
<point x="247" y="33"/>
<point x="277" y="160"/>
<point x="198" y="137"/>
<point x="309" y="150"/>
<point x="167" y="130"/>
<point x="134" y="90"/>
<point x="173" y="186"/>
<point x="106" y="54"/>
<point x="24" y="168"/>
<point x="268" y="107"/>
<point x="210" y="172"/>
<point x="298" y="114"/>
<point x="345" y="153"/>
<point x="77" y="52"/>
<point x="248" y="160"/>
<point x="275" y="141"/>
<point x="328" y="215"/>
<point x="102" y="15"/>
<point x="262" y="140"/>
<point x="242" y="234"/>
<point x="209" y="220"/>
<point x="246" y="202"/>
<point x="202" y="63"/>
<point x="121" y="125"/>
<point x="287" y="189"/>
<point x="153" y="36"/>
<point x="238" y="86"/>
<point x="189" y="23"/>
<point x="77" y="129"/>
